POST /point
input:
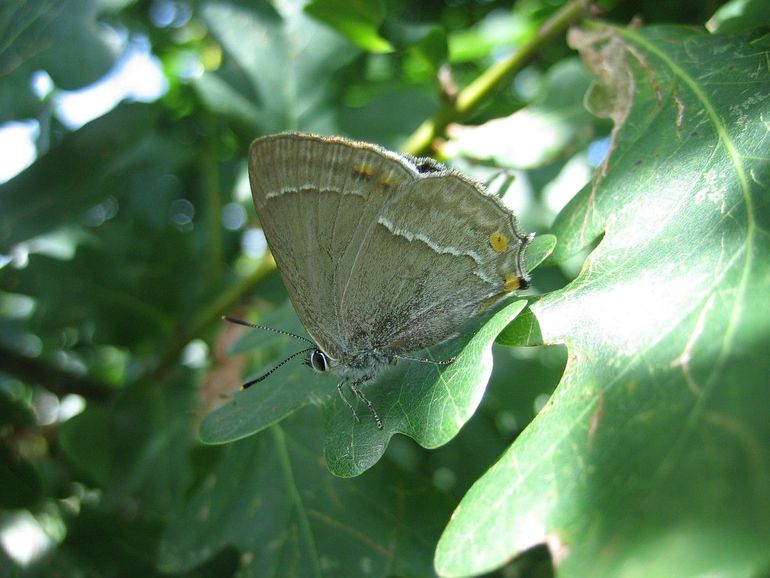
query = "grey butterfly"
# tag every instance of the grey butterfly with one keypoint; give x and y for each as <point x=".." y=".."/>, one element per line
<point x="382" y="254"/>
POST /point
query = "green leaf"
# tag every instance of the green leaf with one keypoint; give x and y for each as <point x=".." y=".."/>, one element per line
<point x="138" y="446"/>
<point x="90" y="162"/>
<point x="499" y="30"/>
<point x="20" y="485"/>
<point x="86" y="441"/>
<point x="269" y="401"/>
<point x="425" y="42"/>
<point x="14" y="412"/>
<point x="652" y="458"/>
<point x="357" y="20"/>
<point x="524" y="330"/>
<point x="739" y="16"/>
<point x="538" y="251"/>
<point x="101" y="541"/>
<point x="39" y="36"/>
<point x="278" y="68"/>
<point x="396" y="108"/>
<point x="273" y="499"/>
<point x="427" y="402"/>
<point x="281" y="319"/>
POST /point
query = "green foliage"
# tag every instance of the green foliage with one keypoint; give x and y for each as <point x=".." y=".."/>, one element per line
<point x="613" y="421"/>
<point x="265" y="498"/>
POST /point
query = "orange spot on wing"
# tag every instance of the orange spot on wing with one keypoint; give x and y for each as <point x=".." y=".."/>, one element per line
<point x="386" y="182"/>
<point x="366" y="171"/>
<point x="512" y="282"/>
<point x="498" y="241"/>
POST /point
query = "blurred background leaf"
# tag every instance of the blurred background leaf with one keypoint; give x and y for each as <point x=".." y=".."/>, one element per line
<point x="38" y="36"/>
<point x="357" y="20"/>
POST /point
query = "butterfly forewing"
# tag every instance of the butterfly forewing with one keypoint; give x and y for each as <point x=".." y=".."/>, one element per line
<point x="317" y="199"/>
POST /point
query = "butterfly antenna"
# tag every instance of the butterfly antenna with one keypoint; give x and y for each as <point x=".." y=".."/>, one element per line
<point x="273" y="329"/>
<point x="248" y="384"/>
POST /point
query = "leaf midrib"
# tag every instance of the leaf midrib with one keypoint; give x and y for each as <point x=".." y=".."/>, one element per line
<point x="279" y="439"/>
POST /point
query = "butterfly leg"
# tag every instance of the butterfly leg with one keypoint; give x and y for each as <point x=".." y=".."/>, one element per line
<point x="360" y="395"/>
<point x="345" y="399"/>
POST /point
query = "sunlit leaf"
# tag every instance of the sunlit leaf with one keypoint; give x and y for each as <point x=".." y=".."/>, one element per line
<point x="652" y="457"/>
<point x="357" y="20"/>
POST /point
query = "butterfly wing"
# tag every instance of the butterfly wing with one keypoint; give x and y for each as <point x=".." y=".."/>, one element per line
<point x="317" y="199"/>
<point x="440" y="252"/>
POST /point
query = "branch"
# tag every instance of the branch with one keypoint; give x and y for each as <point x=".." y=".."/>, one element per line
<point x="485" y="85"/>
<point x="54" y="379"/>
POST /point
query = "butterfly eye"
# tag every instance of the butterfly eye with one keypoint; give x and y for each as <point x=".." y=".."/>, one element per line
<point x="318" y="361"/>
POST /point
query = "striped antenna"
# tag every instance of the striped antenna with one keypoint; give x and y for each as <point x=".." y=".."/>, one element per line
<point x="248" y="384"/>
<point x="273" y="329"/>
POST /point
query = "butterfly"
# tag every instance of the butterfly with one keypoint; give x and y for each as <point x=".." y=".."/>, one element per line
<point x="382" y="254"/>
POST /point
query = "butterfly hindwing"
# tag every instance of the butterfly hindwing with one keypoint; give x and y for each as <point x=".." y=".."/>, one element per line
<point x="441" y="251"/>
